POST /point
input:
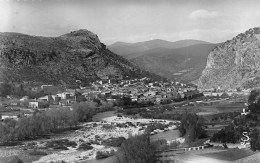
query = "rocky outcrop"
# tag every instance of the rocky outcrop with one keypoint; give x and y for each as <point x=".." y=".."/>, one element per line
<point x="234" y="64"/>
<point x="78" y="55"/>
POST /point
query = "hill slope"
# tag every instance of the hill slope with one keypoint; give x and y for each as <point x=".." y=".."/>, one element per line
<point x="60" y="60"/>
<point x="128" y="49"/>
<point x="235" y="64"/>
<point x="184" y="64"/>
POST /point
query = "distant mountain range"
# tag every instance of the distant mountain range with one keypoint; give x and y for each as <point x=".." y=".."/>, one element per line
<point x="78" y="55"/>
<point x="181" y="60"/>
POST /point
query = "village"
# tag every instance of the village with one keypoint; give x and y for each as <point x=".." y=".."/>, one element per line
<point x="120" y="121"/>
<point x="142" y="91"/>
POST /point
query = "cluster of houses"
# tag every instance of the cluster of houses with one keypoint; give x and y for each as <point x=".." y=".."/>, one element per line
<point x="142" y="90"/>
<point x="217" y="92"/>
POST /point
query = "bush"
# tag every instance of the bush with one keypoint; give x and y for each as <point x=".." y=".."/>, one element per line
<point x="108" y="127"/>
<point x="34" y="152"/>
<point x="114" y="142"/>
<point x="136" y="149"/>
<point x="85" y="147"/>
<point x="14" y="159"/>
<point x="255" y="139"/>
<point x="174" y="145"/>
<point x="104" y="154"/>
<point x="191" y="127"/>
<point x="160" y="144"/>
<point x="61" y="144"/>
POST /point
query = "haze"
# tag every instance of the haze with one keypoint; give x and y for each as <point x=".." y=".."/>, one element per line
<point x="132" y="21"/>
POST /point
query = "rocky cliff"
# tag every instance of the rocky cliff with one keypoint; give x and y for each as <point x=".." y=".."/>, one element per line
<point x="234" y="64"/>
<point x="78" y="55"/>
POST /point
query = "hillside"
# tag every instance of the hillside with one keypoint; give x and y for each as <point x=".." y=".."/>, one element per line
<point x="60" y="60"/>
<point x="184" y="64"/>
<point x="235" y="64"/>
<point x="132" y="50"/>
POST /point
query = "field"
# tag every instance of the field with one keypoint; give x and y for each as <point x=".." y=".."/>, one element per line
<point x="229" y="155"/>
<point x="216" y="155"/>
<point x="101" y="116"/>
<point x="106" y="160"/>
<point x="168" y="135"/>
<point x="65" y="146"/>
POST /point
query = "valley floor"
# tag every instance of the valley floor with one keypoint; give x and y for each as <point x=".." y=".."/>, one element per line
<point x="92" y="132"/>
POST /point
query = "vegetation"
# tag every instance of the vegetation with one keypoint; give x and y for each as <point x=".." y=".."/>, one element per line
<point x="85" y="146"/>
<point x="191" y="127"/>
<point x="255" y="139"/>
<point x="18" y="90"/>
<point x="14" y="159"/>
<point x="104" y="154"/>
<point x="35" y="153"/>
<point x="114" y="142"/>
<point x="136" y="149"/>
<point x="155" y="126"/>
<point x="61" y="144"/>
<point x="227" y="135"/>
<point x="44" y="123"/>
<point x="243" y="123"/>
<point x="161" y="145"/>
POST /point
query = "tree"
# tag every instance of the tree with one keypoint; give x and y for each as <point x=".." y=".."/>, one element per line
<point x="5" y="89"/>
<point x="136" y="150"/>
<point x="255" y="139"/>
<point x="191" y="127"/>
<point x="83" y="111"/>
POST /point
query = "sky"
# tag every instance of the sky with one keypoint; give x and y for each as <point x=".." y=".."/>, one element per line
<point x="132" y="20"/>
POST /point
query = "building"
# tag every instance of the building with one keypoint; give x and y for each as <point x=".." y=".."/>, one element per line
<point x="14" y="117"/>
<point x="64" y="95"/>
<point x="24" y="98"/>
<point x="46" y="98"/>
<point x="37" y="104"/>
<point x="33" y="104"/>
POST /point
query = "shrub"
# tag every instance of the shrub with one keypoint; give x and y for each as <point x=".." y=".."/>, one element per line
<point x="61" y="144"/>
<point x="255" y="139"/>
<point x="136" y="149"/>
<point x="191" y="127"/>
<point x="114" y="142"/>
<point x="160" y="144"/>
<point x="108" y="127"/>
<point x="34" y="152"/>
<point x="104" y="154"/>
<point x="85" y="146"/>
<point x="14" y="159"/>
<point x="174" y="145"/>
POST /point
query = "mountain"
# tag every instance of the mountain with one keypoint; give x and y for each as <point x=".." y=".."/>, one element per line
<point x="183" y="64"/>
<point x="128" y="49"/>
<point x="234" y="64"/>
<point x="182" y="60"/>
<point x="78" y="55"/>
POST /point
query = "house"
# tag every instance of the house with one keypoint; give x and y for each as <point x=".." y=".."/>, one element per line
<point x="33" y="104"/>
<point x="38" y="104"/>
<point x="134" y="98"/>
<point x="150" y="93"/>
<point x="56" y="98"/>
<point x="192" y="94"/>
<point x="14" y="117"/>
<point x="65" y="103"/>
<point x="64" y="95"/>
<point x="14" y="103"/>
<point x="207" y="94"/>
<point x="46" y="98"/>
<point x="24" y="98"/>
